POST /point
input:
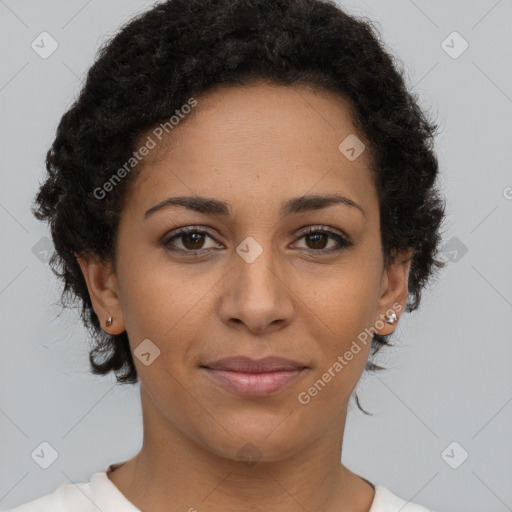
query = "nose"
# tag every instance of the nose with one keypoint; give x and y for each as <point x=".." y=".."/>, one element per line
<point x="256" y="295"/>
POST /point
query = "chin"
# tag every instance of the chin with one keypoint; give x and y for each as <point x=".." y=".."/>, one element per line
<point x="259" y="440"/>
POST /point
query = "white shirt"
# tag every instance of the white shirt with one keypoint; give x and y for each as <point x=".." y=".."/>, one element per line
<point x="100" y="493"/>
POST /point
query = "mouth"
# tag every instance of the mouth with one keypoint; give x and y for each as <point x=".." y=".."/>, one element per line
<point x="249" y="377"/>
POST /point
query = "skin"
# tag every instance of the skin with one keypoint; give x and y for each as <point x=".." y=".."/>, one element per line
<point x="253" y="147"/>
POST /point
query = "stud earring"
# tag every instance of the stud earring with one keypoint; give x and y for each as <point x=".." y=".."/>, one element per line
<point x="109" y="321"/>
<point x="391" y="318"/>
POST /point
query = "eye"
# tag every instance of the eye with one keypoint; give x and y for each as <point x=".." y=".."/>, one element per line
<point x="316" y="239"/>
<point x="191" y="238"/>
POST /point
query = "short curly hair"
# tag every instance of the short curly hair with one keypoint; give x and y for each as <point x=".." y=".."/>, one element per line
<point x="183" y="48"/>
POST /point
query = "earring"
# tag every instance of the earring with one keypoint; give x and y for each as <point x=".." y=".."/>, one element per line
<point x="391" y="318"/>
<point x="108" y="323"/>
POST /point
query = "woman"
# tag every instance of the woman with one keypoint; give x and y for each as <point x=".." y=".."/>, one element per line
<point x="243" y="200"/>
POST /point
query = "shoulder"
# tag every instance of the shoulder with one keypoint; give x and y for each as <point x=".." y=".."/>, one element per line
<point x="99" y="493"/>
<point x="75" y="497"/>
<point x="385" y="501"/>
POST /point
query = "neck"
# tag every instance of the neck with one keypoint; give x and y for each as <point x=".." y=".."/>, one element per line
<point x="172" y="467"/>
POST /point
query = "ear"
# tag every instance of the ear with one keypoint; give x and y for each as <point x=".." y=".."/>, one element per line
<point x="103" y="291"/>
<point x="394" y="290"/>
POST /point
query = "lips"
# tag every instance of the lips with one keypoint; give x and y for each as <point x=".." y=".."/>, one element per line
<point x="249" y="377"/>
<point x="247" y="365"/>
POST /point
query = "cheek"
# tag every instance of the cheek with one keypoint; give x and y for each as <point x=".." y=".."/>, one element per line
<point x="342" y="348"/>
<point x="158" y="295"/>
<point x="341" y="309"/>
<point x="344" y="298"/>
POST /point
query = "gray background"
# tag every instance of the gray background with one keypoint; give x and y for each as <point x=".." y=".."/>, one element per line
<point x="449" y="378"/>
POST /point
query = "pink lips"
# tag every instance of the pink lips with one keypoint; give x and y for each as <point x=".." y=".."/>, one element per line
<point x="251" y="377"/>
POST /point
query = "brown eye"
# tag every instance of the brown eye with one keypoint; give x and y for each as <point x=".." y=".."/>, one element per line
<point x="191" y="240"/>
<point x="317" y="240"/>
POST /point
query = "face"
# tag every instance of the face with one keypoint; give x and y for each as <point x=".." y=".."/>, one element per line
<point x="248" y="279"/>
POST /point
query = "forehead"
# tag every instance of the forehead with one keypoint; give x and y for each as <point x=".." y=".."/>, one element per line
<point x="306" y="120"/>
<point x="262" y="139"/>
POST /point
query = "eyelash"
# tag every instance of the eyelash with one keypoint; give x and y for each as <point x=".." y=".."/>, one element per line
<point x="341" y="240"/>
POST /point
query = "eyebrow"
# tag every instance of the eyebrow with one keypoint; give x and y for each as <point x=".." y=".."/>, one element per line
<point x="292" y="206"/>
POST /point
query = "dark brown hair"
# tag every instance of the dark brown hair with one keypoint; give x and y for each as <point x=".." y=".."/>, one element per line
<point x="183" y="48"/>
